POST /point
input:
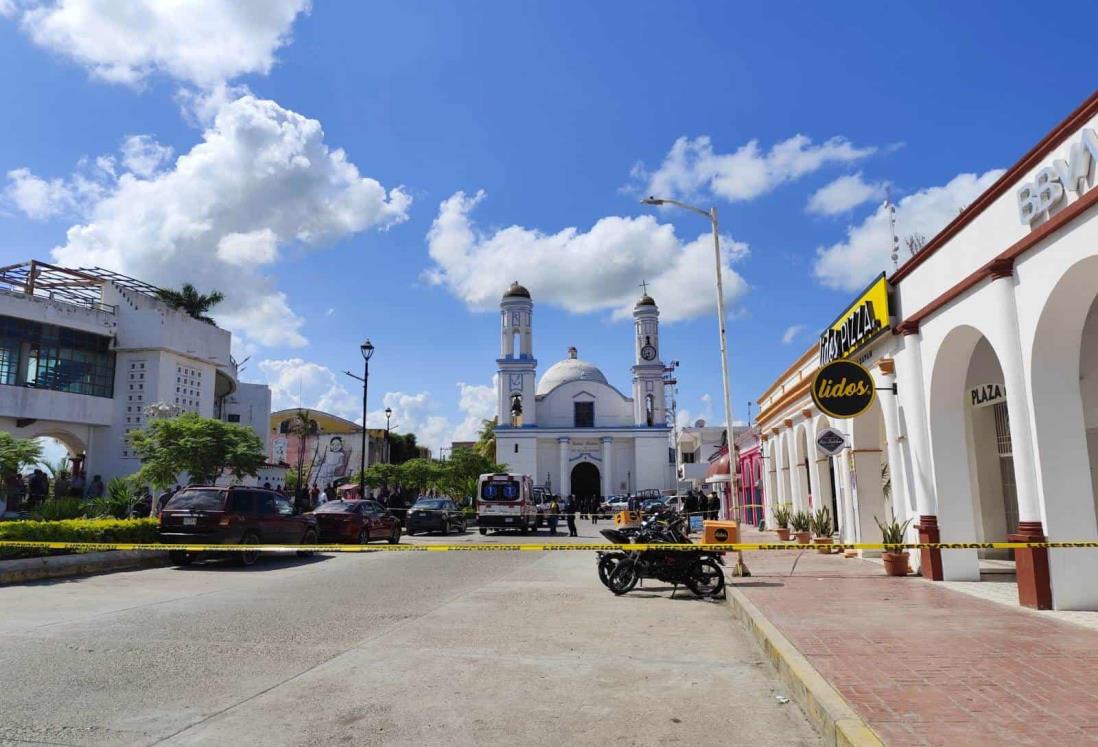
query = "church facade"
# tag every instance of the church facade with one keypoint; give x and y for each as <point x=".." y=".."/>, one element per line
<point x="571" y="430"/>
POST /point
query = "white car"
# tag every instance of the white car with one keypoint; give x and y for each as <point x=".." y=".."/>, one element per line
<point x="618" y="503"/>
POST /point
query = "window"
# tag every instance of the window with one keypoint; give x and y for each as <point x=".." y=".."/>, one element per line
<point x="265" y="503"/>
<point x="284" y="507"/>
<point x="240" y="501"/>
<point x="583" y="414"/>
<point x="516" y="448"/>
<point x="688" y="457"/>
<point x="46" y="356"/>
<point x="232" y="418"/>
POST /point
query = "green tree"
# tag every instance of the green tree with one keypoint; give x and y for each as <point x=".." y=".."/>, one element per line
<point x="17" y="453"/>
<point x="378" y="475"/>
<point x="419" y="474"/>
<point x="458" y="475"/>
<point x="188" y="299"/>
<point x="204" y="448"/>
<point x="402" y="447"/>
<point x="486" y="439"/>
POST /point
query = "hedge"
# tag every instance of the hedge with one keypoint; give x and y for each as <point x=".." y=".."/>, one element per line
<point x="73" y="530"/>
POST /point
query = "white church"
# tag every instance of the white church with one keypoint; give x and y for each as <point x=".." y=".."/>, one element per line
<point x="573" y="431"/>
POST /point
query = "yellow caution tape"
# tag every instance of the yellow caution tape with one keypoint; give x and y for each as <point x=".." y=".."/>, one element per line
<point x="603" y="547"/>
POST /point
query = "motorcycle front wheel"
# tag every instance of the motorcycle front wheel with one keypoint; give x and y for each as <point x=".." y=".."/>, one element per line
<point x="624" y="578"/>
<point x="607" y="564"/>
<point x="706" y="578"/>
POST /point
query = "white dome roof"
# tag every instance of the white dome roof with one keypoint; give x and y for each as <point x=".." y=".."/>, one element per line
<point x="569" y="369"/>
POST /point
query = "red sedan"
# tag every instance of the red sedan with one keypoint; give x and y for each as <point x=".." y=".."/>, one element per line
<point x="349" y="522"/>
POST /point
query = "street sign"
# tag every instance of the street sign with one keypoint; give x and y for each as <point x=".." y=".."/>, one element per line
<point x="830" y="442"/>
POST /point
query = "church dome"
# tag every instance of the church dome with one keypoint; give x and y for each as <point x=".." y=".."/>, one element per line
<point x="516" y="290"/>
<point x="646" y="300"/>
<point x="569" y="369"/>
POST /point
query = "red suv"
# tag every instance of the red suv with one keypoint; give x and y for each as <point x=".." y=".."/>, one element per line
<point x="233" y="516"/>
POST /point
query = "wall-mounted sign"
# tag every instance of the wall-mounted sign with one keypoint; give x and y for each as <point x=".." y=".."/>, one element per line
<point x="863" y="322"/>
<point x="1052" y="183"/>
<point x="830" y="442"/>
<point x="986" y="395"/>
<point x="843" y="389"/>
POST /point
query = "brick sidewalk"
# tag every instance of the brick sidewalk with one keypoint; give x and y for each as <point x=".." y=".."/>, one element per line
<point x="924" y="665"/>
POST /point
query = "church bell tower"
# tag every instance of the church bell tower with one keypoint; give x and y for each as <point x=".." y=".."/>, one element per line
<point x="516" y="365"/>
<point x="648" y="396"/>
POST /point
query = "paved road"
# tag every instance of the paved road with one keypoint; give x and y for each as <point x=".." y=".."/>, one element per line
<point x="386" y="648"/>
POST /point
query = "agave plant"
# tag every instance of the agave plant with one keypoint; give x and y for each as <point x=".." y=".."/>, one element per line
<point x="116" y="502"/>
<point x="801" y="521"/>
<point x="782" y="514"/>
<point x="821" y="522"/>
<point x="893" y="533"/>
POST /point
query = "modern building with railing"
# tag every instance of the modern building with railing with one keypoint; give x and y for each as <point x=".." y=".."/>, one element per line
<point x="88" y="356"/>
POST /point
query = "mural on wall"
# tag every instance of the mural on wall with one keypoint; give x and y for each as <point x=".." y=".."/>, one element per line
<point x="328" y="457"/>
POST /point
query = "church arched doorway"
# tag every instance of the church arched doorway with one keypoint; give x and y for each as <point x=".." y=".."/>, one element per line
<point x="586" y="481"/>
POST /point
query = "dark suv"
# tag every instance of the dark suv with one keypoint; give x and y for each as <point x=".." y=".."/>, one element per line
<point x="233" y="516"/>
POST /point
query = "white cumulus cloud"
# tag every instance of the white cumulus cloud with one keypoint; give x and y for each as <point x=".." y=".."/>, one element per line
<point x="791" y="333"/>
<point x="295" y="382"/>
<point x="581" y="271"/>
<point x="143" y="156"/>
<point x="848" y="265"/>
<point x="262" y="177"/>
<point x="843" y="194"/>
<point x="201" y="42"/>
<point x="693" y="168"/>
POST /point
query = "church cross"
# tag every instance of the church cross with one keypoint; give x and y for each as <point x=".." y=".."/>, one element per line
<point x="644" y="286"/>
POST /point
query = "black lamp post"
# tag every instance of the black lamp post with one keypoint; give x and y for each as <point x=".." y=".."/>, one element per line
<point x="388" y="414"/>
<point x="367" y="349"/>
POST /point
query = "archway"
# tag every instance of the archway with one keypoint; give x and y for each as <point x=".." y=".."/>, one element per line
<point x="802" y="486"/>
<point x="1064" y="379"/>
<point x="971" y="447"/>
<point x="586" y="481"/>
<point x="871" y="479"/>
<point x="826" y="471"/>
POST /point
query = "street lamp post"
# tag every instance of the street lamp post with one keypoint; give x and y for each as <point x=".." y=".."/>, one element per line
<point x="388" y="414"/>
<point x="711" y="214"/>
<point x="367" y="350"/>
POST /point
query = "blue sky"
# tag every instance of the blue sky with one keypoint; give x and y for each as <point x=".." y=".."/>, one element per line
<point x="348" y="170"/>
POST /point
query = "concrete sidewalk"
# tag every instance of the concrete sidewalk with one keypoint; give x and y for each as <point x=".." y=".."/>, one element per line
<point x="922" y="664"/>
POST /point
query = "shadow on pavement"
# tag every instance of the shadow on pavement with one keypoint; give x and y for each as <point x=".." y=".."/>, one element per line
<point x="264" y="563"/>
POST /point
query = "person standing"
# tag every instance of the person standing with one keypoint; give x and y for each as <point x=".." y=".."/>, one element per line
<point x="314" y="496"/>
<point x="554" y="515"/>
<point x="570" y="516"/>
<point x="38" y="488"/>
<point x="714" y="507"/>
<point x="95" y="488"/>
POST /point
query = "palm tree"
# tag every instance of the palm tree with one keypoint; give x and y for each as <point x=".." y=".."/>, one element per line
<point x="486" y="440"/>
<point x="188" y="299"/>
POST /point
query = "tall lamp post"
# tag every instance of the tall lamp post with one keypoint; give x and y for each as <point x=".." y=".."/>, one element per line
<point x="367" y="350"/>
<point x="711" y="214"/>
<point x="388" y="414"/>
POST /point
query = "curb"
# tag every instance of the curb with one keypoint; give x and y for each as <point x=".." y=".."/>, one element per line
<point x="829" y="713"/>
<point x="24" y="570"/>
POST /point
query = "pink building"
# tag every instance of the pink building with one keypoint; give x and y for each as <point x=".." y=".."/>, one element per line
<point x="750" y="480"/>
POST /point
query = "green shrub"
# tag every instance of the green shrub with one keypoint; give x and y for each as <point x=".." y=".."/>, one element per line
<point x="56" y="509"/>
<point x="782" y="513"/>
<point x="73" y="530"/>
<point x="116" y="502"/>
<point x="800" y="521"/>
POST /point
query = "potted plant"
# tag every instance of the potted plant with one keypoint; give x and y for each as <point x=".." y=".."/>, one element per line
<point x="821" y="527"/>
<point x="895" y="559"/>
<point x="781" y="518"/>
<point x="801" y="521"/>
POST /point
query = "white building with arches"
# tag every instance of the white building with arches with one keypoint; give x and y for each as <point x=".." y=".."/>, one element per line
<point x="572" y="430"/>
<point x="88" y="355"/>
<point x="993" y="430"/>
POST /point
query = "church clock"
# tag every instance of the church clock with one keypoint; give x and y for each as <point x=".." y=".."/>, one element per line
<point x="648" y="353"/>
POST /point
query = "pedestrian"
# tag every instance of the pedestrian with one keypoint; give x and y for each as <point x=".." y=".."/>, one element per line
<point x="554" y="515"/>
<point x="76" y="487"/>
<point x="570" y="516"/>
<point x="314" y="495"/>
<point x="61" y="486"/>
<point x="596" y="506"/>
<point x="323" y="497"/>
<point x="95" y="487"/>
<point x="714" y="507"/>
<point x="39" y="488"/>
<point x="162" y="500"/>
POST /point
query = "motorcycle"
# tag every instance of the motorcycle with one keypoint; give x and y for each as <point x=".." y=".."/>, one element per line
<point x="620" y="571"/>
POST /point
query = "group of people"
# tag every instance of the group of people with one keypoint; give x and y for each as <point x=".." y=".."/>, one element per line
<point x="569" y="507"/>
<point x="24" y="494"/>
<point x="696" y="502"/>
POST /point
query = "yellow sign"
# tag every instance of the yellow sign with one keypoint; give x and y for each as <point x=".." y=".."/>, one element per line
<point x="843" y="389"/>
<point x="863" y="321"/>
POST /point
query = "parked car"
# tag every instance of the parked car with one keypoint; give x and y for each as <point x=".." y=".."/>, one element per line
<point x="674" y="502"/>
<point x="649" y="505"/>
<point x="356" y="522"/>
<point x="435" y="515"/>
<point x="617" y="503"/>
<point x="210" y="515"/>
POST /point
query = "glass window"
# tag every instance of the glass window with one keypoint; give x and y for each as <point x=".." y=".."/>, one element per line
<point x="200" y="500"/>
<point x="265" y="503"/>
<point x="284" y="507"/>
<point x="240" y="501"/>
<point x="45" y="356"/>
<point x="335" y="507"/>
<point x="584" y="414"/>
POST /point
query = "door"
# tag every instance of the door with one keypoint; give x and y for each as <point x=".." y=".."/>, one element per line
<point x="270" y="524"/>
<point x="290" y="527"/>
